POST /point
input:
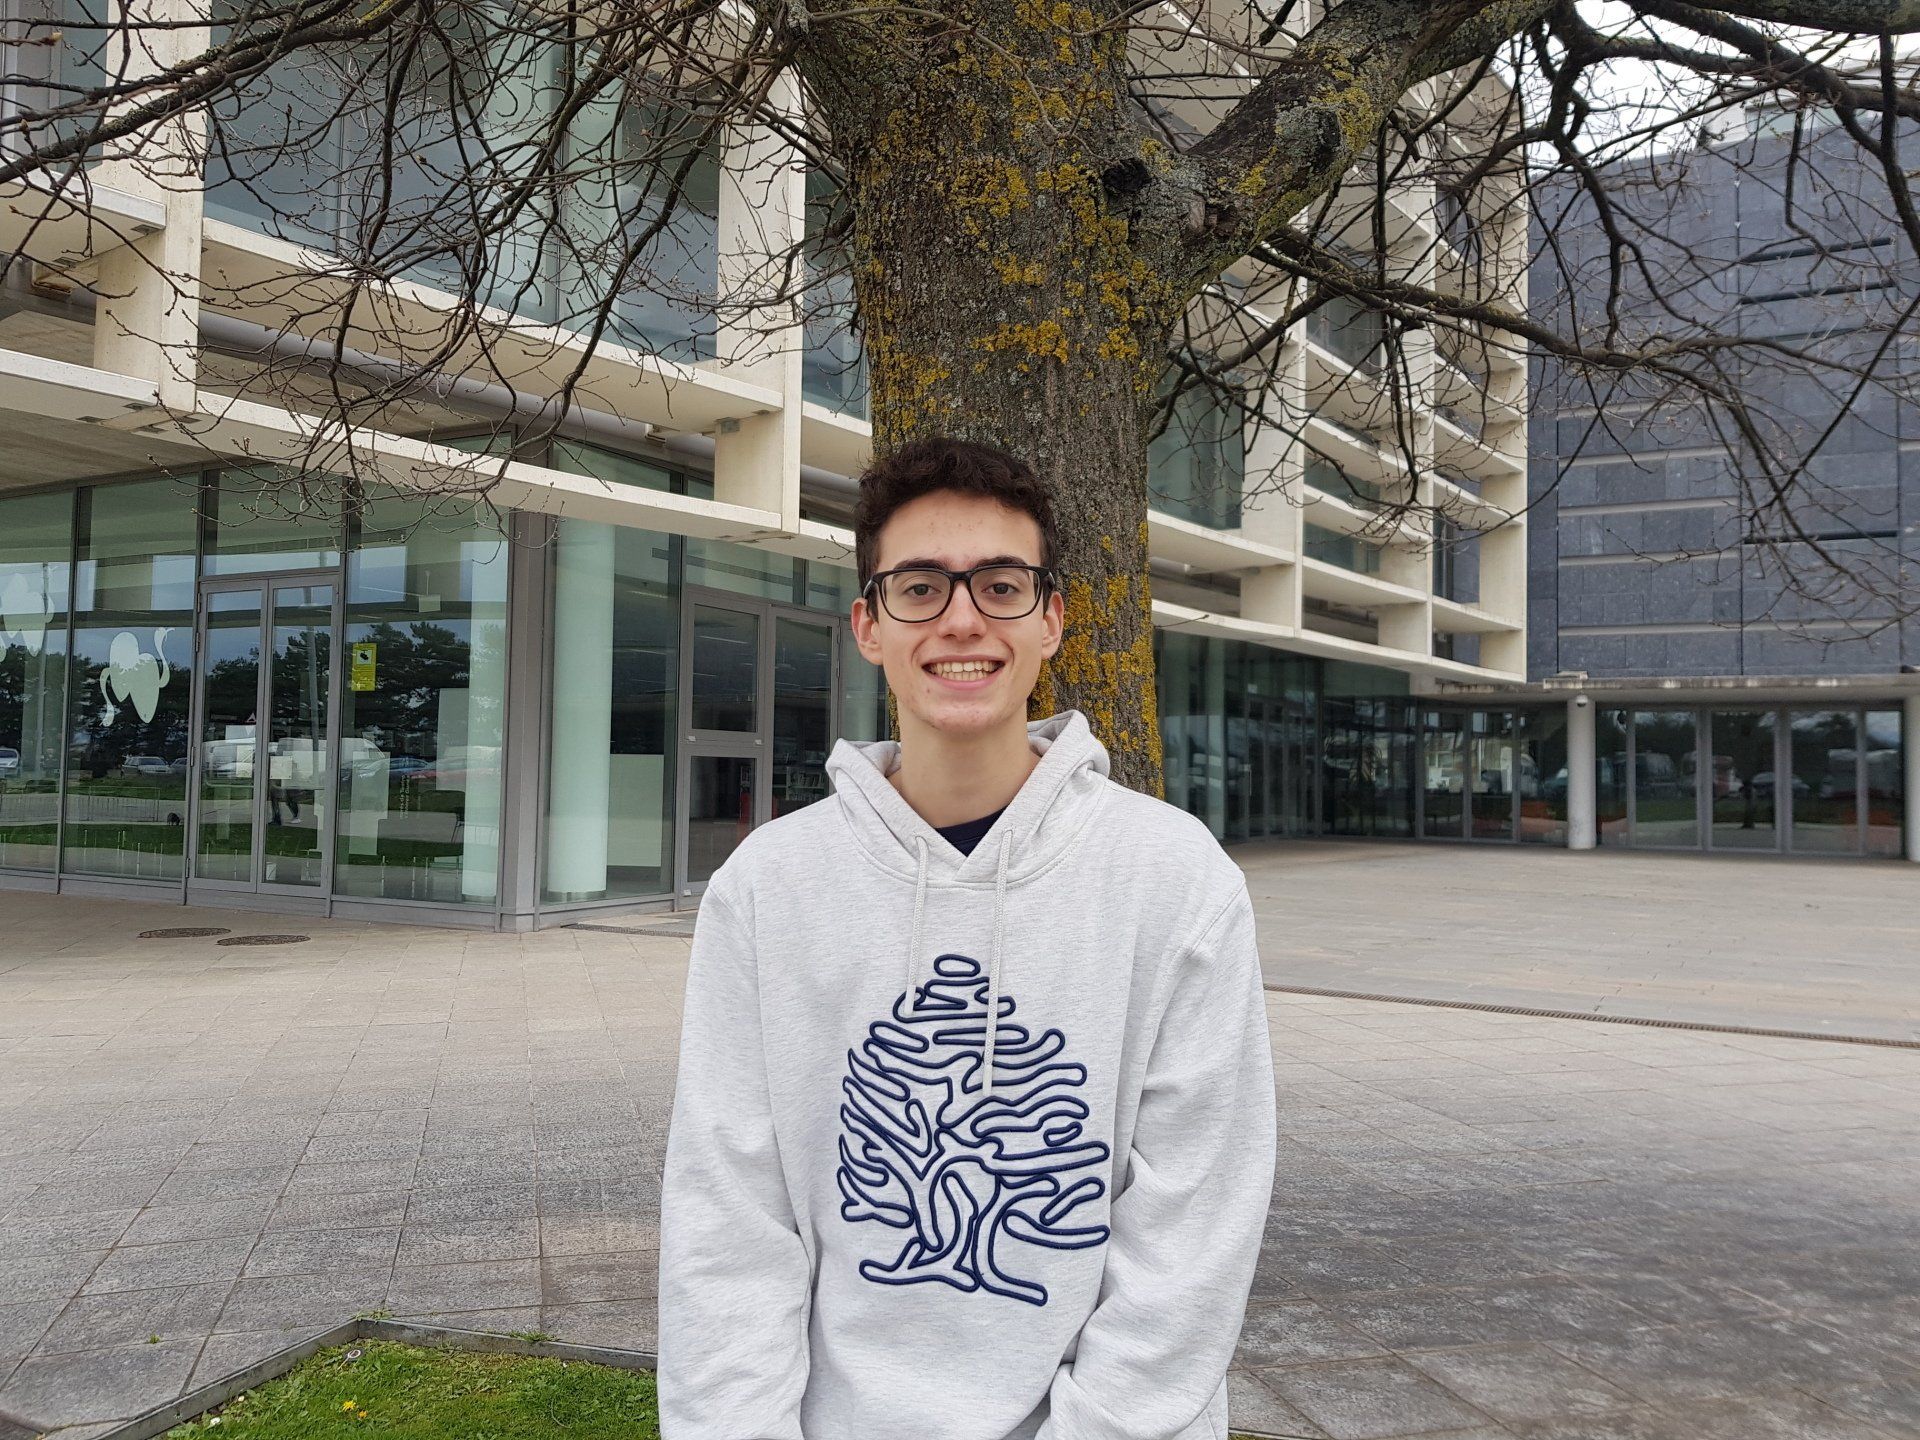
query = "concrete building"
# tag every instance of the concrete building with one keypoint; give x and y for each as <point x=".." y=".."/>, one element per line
<point x="1741" y="694"/>
<point x="401" y="706"/>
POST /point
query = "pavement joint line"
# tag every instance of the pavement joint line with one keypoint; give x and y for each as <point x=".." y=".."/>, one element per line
<point x="1492" y="1008"/>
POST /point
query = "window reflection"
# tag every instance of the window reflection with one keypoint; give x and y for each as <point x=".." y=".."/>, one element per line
<point x="126" y="806"/>
<point x="421" y="714"/>
<point x="1665" y="757"/>
<point x="1885" y="782"/>
<point x="1743" y="801"/>
<point x="1826" y="783"/>
<point x="36" y="547"/>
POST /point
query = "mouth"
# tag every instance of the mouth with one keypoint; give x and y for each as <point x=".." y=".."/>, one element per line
<point x="973" y="675"/>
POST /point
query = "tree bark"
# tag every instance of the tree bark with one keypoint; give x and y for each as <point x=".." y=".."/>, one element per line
<point x="1013" y="290"/>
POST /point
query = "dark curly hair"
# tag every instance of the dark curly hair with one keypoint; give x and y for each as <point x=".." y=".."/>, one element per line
<point x="922" y="467"/>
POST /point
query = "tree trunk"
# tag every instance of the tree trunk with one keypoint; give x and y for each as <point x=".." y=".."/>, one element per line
<point x="1011" y="291"/>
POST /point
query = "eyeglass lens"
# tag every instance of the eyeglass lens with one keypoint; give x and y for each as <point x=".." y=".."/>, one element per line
<point x="1004" y="592"/>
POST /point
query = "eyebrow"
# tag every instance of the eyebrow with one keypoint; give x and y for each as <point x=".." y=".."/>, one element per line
<point x="936" y="564"/>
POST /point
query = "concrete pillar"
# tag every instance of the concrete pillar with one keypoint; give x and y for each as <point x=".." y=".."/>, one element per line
<point x="763" y="199"/>
<point x="1910" y="749"/>
<point x="1582" y="830"/>
<point x="579" y="785"/>
<point x="147" y="316"/>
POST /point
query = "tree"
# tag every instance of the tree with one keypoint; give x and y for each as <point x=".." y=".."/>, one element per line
<point x="1058" y="220"/>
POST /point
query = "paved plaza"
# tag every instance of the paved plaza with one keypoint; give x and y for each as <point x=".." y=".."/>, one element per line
<point x="1484" y="1225"/>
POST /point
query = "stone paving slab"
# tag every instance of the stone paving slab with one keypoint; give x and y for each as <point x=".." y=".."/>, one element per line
<point x="1483" y="1226"/>
<point x="1826" y="945"/>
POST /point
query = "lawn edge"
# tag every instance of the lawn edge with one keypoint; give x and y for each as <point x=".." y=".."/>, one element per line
<point x="161" y="1418"/>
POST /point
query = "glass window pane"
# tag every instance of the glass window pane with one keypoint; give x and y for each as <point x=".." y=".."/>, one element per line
<point x="1370" y="751"/>
<point x="743" y="569"/>
<point x="1742" y="795"/>
<point x="1886" y="788"/>
<point x="578" y="458"/>
<point x="1543" y="776"/>
<point x="1825" y="782"/>
<point x="1196" y="466"/>
<point x="252" y="524"/>
<point x="719" y="811"/>
<point x="1446" y="768"/>
<point x="421" y="715"/>
<point x="130" y="681"/>
<point x="299" y="783"/>
<point x="1494" y="762"/>
<point x="802" y="712"/>
<point x="36" y="549"/>
<point x="863" y="692"/>
<point x="1610" y="777"/>
<point x="616" y="685"/>
<point x="229" y="736"/>
<point x="1665" y="752"/>
<point x="726" y="660"/>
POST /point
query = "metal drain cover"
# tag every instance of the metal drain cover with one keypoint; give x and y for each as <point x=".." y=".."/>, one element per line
<point x="183" y="932"/>
<point x="263" y="940"/>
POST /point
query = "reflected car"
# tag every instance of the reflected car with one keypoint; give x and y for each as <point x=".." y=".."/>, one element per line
<point x="1763" y="784"/>
<point x="9" y="761"/>
<point x="144" y="765"/>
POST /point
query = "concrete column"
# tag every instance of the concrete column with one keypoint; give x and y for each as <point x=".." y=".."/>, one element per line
<point x="147" y="319"/>
<point x="1910" y="749"/>
<point x="1582" y="830"/>
<point x="763" y="198"/>
<point x="579" y="784"/>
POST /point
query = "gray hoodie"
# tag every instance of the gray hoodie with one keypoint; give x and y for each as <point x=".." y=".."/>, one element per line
<point x="966" y="1147"/>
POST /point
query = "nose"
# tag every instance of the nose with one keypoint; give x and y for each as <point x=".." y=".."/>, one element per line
<point x="962" y="616"/>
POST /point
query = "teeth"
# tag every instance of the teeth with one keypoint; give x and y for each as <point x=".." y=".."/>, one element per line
<point x="964" y="668"/>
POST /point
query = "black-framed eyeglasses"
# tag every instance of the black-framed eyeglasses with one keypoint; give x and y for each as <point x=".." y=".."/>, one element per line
<point x="916" y="594"/>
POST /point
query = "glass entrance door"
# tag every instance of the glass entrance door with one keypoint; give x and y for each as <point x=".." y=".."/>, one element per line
<point x="723" y="683"/>
<point x="759" y="683"/>
<point x="264" y="710"/>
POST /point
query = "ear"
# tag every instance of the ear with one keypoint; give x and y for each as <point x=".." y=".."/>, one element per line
<point x="1056" y="617"/>
<point x="865" y="631"/>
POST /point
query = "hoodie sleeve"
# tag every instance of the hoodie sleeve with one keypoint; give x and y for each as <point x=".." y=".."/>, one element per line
<point x="735" y="1279"/>
<point x="1187" y="1225"/>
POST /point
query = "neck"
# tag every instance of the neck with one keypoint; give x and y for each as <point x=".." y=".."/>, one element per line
<point x="949" y="779"/>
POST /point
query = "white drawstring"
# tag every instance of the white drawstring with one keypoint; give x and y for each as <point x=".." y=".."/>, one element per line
<point x="919" y="911"/>
<point x="993" y="965"/>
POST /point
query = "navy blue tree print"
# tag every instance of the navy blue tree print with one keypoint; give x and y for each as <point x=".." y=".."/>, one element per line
<point x="928" y="1151"/>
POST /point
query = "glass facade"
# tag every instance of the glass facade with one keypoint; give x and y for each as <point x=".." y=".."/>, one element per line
<point x="1370" y="741"/>
<point x="36" y="564"/>
<point x="1542" y="778"/>
<point x="1666" y="749"/>
<point x="130" y="681"/>
<point x="1236" y="731"/>
<point x="213" y="684"/>
<point x="1196" y="466"/>
<point x="421" y="719"/>
<point x="395" y="149"/>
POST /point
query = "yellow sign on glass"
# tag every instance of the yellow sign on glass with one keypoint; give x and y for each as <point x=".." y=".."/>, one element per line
<point x="365" y="657"/>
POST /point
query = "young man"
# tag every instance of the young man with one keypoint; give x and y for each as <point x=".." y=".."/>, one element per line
<point x="974" y="1130"/>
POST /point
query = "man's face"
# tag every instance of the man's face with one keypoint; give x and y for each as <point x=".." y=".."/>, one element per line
<point x="957" y="532"/>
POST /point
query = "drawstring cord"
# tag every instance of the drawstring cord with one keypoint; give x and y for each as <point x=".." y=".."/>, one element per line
<point x="993" y="965"/>
<point x="919" y="913"/>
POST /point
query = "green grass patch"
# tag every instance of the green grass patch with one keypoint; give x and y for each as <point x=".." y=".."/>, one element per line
<point x="408" y="1392"/>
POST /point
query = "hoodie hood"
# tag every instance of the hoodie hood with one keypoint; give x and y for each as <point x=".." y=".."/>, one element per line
<point x="1040" y="825"/>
